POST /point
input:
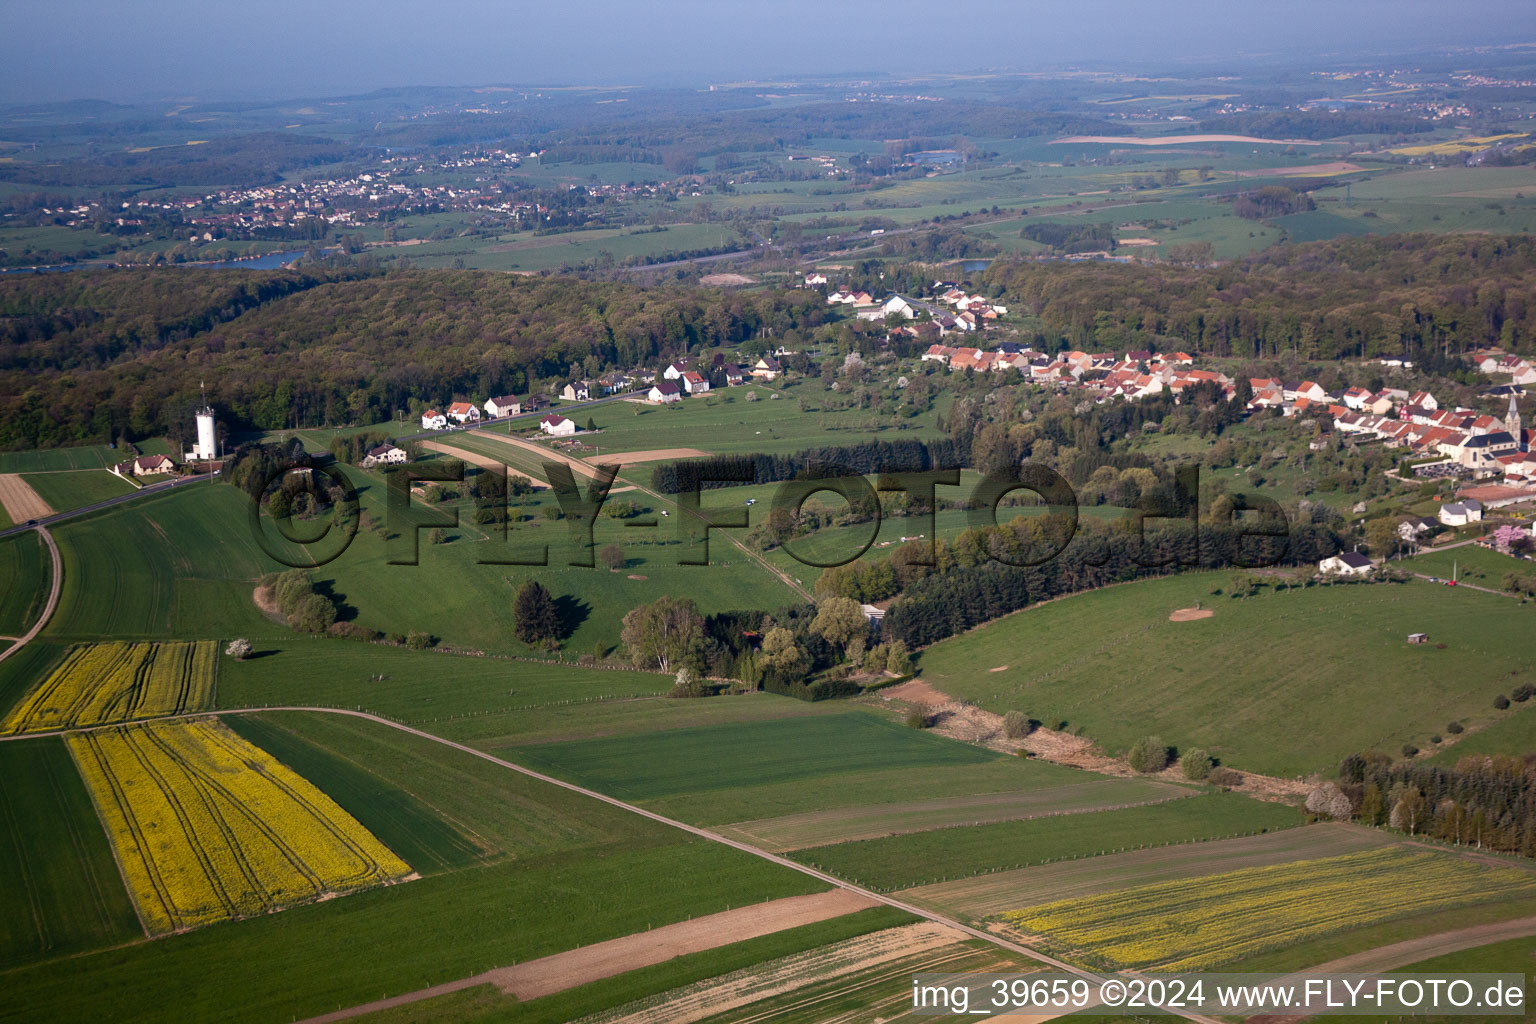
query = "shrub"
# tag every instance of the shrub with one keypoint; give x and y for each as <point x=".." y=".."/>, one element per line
<point x="1148" y="754"/>
<point x="1453" y="728"/>
<point x="1501" y="702"/>
<point x="1225" y="777"/>
<point x="688" y="684"/>
<point x="1409" y="750"/>
<point x="1436" y="738"/>
<point x="416" y="640"/>
<point x="239" y="649"/>
<point x="917" y="718"/>
<point x="1523" y="692"/>
<point x="1017" y="725"/>
<point x="1197" y="765"/>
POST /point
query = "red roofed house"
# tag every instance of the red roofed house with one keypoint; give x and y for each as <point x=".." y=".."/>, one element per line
<point x="557" y="425"/>
<point x="463" y="412"/>
<point x="694" y="383"/>
<point x="433" y="420"/>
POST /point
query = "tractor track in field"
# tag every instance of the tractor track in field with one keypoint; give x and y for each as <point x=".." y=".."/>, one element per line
<point x="55" y="585"/>
<point x="694" y="830"/>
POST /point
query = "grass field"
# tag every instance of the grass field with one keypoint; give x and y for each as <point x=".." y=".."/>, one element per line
<point x="62" y="893"/>
<point x="519" y="911"/>
<point x="180" y="564"/>
<point x="65" y="492"/>
<point x="873" y="821"/>
<point x="1471" y="563"/>
<point x="1199" y="923"/>
<point x="102" y="683"/>
<point x="924" y="858"/>
<point x="424" y="687"/>
<point x="1111" y="664"/>
<point x="668" y="763"/>
<point x="24" y="566"/>
<point x="1514" y="734"/>
<point x="58" y="459"/>
<point x="208" y="827"/>
<point x="986" y="896"/>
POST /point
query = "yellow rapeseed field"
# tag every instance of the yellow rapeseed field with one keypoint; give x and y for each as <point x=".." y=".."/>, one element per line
<point x="208" y="826"/>
<point x="1455" y="146"/>
<point x="1198" y="923"/>
<point x="117" y="682"/>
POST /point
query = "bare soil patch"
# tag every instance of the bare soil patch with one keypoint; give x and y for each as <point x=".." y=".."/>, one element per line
<point x="968" y="723"/>
<point x="636" y="576"/>
<point x="657" y="455"/>
<point x="916" y="692"/>
<point x="1337" y="167"/>
<point x="717" y="280"/>
<point x="20" y="500"/>
<point x="1138" y="241"/>
<point x="266" y="600"/>
<point x="483" y="461"/>
<point x="557" y="973"/>
<point x="998" y="668"/>
<point x="1190" y="614"/>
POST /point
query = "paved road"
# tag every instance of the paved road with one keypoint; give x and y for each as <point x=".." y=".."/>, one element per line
<point x="714" y="837"/>
<point x="53" y="596"/>
<point x="59" y="517"/>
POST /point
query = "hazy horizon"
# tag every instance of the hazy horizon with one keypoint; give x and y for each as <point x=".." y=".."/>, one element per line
<point x="175" y="49"/>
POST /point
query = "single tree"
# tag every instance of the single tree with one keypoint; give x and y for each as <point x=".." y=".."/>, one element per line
<point x="239" y="649"/>
<point x="535" y="614"/>
<point x="612" y="556"/>
<point x="841" y="622"/>
<point x="1148" y="754"/>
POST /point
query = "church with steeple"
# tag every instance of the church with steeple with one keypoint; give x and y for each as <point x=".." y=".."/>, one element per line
<point x="1512" y="423"/>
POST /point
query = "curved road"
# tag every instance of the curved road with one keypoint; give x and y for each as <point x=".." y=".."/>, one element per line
<point x="53" y="595"/>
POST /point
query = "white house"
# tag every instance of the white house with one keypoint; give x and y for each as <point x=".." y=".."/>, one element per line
<point x="1346" y="563"/>
<point x="557" y="425"/>
<point x="813" y="279"/>
<point x="384" y="455"/>
<point x="506" y="405"/>
<point x="433" y="420"/>
<point x="694" y="383"/>
<point x="676" y="370"/>
<point x="464" y="412"/>
<point x="664" y="392"/>
<point x="576" y="391"/>
<point x="145" y="465"/>
<point x="1461" y="513"/>
<point x="897" y="304"/>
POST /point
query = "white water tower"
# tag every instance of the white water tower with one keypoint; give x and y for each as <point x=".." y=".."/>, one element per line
<point x="207" y="446"/>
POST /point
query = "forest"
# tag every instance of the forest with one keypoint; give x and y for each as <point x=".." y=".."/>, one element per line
<point x="1346" y="298"/>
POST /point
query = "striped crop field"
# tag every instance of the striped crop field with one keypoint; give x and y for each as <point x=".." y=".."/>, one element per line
<point x="1197" y="923"/>
<point x="208" y="826"/>
<point x="98" y="684"/>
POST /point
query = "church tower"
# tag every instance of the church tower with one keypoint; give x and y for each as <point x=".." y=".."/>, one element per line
<point x="1512" y="420"/>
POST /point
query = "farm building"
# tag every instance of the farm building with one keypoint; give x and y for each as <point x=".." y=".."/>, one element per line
<point x="557" y="426"/>
<point x="384" y="455"/>
<point x="506" y="405"/>
<point x="1346" y="563"/>
<point x="145" y="465"/>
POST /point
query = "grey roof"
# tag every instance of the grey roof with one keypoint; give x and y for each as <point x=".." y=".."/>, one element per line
<point x="1353" y="559"/>
<point x="1495" y="439"/>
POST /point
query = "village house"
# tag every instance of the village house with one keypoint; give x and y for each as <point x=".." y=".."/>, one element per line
<point x="464" y="412"/>
<point x="145" y="465"/>
<point x="694" y="383"/>
<point x="506" y="405"/>
<point x="384" y="455"/>
<point x="675" y="370"/>
<point x="1461" y="513"/>
<point x="1346" y="563"/>
<point x="664" y="392"/>
<point x="1414" y="528"/>
<point x="767" y="368"/>
<point x="557" y="426"/>
<point x="813" y="279"/>
<point x="433" y="420"/>
<point x="577" y="391"/>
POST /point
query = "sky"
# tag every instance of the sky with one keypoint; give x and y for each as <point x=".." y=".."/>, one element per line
<point x="127" y="50"/>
